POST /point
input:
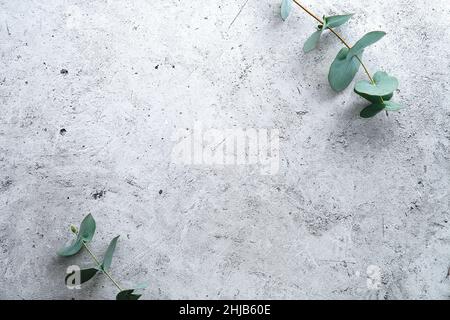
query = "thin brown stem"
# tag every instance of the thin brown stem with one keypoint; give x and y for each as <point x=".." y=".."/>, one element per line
<point x="308" y="12"/>
<point x="366" y="70"/>
<point x="91" y="254"/>
<point x="99" y="266"/>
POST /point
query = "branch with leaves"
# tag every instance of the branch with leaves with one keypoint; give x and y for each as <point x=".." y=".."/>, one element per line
<point x="83" y="236"/>
<point x="380" y="88"/>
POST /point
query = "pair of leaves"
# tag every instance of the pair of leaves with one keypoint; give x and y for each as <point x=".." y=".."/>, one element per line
<point x="375" y="108"/>
<point x="328" y="22"/>
<point x="378" y="93"/>
<point x="88" y="274"/>
<point x="383" y="85"/>
<point x="85" y="235"/>
<point x="347" y="62"/>
<point x="128" y="295"/>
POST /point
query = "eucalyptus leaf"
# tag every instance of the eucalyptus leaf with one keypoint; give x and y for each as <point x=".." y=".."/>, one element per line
<point x="337" y="21"/>
<point x="127" y="295"/>
<point x="346" y="64"/>
<point x="86" y="233"/>
<point x="375" y="99"/>
<point x="85" y="275"/>
<point x="312" y="41"/>
<point x="87" y="229"/>
<point x="372" y="110"/>
<point x="107" y="259"/>
<point x="328" y="22"/>
<point x="286" y="7"/>
<point x="367" y="40"/>
<point x="384" y="85"/>
<point x="72" y="249"/>
<point x="343" y="69"/>
<point x="392" y="106"/>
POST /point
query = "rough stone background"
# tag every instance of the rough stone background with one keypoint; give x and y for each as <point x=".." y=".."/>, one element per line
<point x="350" y="193"/>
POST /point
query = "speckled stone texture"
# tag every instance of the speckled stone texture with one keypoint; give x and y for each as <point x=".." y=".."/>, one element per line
<point x="91" y="93"/>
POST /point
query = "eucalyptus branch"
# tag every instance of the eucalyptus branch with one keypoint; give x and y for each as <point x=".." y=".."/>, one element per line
<point x="379" y="90"/>
<point x="99" y="265"/>
<point x="80" y="276"/>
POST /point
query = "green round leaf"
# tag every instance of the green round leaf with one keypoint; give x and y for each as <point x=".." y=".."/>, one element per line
<point x="107" y="259"/>
<point x="86" y="233"/>
<point x="286" y="7"/>
<point x="312" y="41"/>
<point x="71" y="250"/>
<point x="127" y="295"/>
<point x="343" y="70"/>
<point x="337" y="21"/>
<point x="392" y="106"/>
<point x="372" y="110"/>
<point x="367" y="40"/>
<point x="87" y="228"/>
<point x="374" y="99"/>
<point x="384" y="85"/>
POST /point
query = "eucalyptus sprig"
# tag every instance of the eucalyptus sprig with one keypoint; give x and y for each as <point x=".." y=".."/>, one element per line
<point x="83" y="236"/>
<point x="380" y="88"/>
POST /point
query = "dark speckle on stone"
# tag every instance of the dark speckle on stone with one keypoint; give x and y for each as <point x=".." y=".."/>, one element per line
<point x="156" y="67"/>
<point x="64" y="71"/>
<point x="62" y="131"/>
<point x="4" y="185"/>
<point x="160" y="191"/>
<point x="98" y="194"/>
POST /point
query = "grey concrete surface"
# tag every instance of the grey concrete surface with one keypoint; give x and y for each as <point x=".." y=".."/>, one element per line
<point x="353" y="200"/>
